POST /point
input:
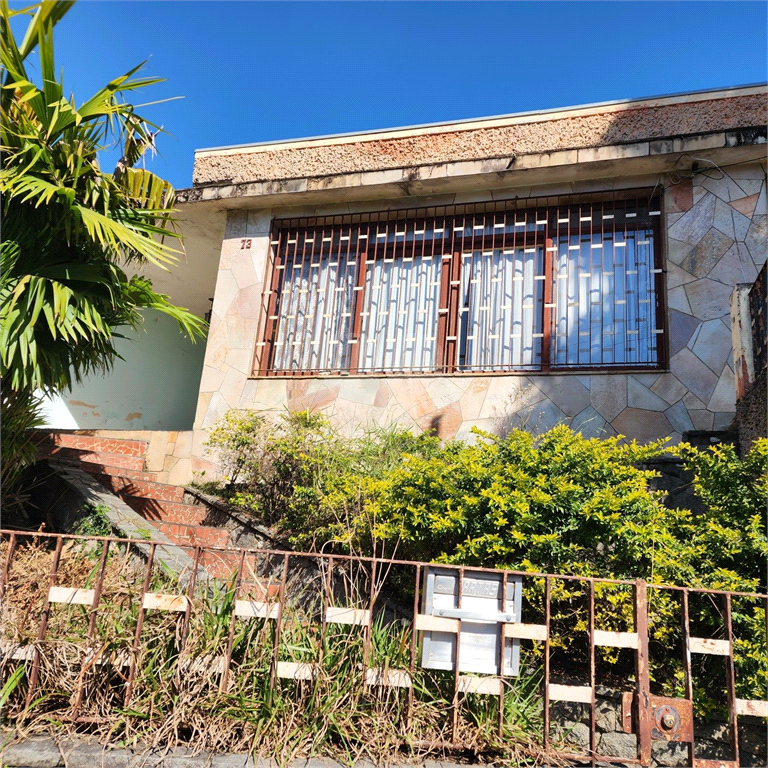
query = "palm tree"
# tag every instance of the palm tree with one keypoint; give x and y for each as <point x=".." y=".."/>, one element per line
<point x="71" y="232"/>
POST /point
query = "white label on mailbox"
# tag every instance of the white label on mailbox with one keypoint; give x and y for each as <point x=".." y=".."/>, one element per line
<point x="482" y="614"/>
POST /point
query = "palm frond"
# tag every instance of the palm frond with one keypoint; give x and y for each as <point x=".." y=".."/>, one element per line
<point x="69" y="228"/>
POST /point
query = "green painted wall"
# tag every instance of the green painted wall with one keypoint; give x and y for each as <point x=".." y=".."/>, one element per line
<point x="154" y="386"/>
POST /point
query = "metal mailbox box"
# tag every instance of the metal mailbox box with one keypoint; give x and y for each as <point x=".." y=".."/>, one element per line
<point x="482" y="616"/>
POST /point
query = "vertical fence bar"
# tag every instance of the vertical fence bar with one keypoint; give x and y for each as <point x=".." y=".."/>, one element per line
<point x="7" y="566"/>
<point x="730" y="674"/>
<point x="190" y="596"/>
<point x="91" y="629"/>
<point x="97" y="590"/>
<point x="502" y="648"/>
<point x="686" y="634"/>
<point x="592" y="724"/>
<point x="457" y="650"/>
<point x="643" y="675"/>
<point x="547" y="600"/>
<point x="139" y="625"/>
<point x="279" y="622"/>
<point x="368" y="627"/>
<point x="326" y="598"/>
<point x="412" y="667"/>
<point x="43" y="626"/>
<point x="232" y="621"/>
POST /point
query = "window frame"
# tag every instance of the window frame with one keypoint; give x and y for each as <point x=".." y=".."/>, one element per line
<point x="449" y="320"/>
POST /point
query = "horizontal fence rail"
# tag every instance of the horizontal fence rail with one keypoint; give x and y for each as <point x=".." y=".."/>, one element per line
<point x="410" y="630"/>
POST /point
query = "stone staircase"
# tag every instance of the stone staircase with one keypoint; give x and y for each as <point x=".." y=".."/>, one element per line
<point x="119" y="465"/>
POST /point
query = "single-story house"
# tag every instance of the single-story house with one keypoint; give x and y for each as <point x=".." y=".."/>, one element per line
<point x="570" y="265"/>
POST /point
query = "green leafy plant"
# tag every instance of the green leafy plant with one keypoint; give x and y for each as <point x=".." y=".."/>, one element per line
<point x="145" y="531"/>
<point x="19" y="415"/>
<point x="298" y="473"/>
<point x="72" y="233"/>
<point x="69" y="228"/>
<point x="94" y="522"/>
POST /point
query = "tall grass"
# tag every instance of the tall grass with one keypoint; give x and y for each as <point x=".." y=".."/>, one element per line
<point x="177" y="695"/>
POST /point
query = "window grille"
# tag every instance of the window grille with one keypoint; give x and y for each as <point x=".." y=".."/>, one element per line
<point x="557" y="283"/>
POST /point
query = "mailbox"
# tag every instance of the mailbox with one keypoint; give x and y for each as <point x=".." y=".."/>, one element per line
<point x="482" y="616"/>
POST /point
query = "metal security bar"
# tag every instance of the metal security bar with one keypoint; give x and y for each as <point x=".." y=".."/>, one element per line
<point x="472" y="623"/>
<point x="508" y="286"/>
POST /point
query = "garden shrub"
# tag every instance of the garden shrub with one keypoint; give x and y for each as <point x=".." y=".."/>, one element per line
<point x="557" y="503"/>
<point x="728" y="541"/>
<point x="562" y="503"/>
<point x="299" y="474"/>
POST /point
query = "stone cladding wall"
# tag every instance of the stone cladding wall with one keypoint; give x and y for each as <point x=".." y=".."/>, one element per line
<point x="715" y="233"/>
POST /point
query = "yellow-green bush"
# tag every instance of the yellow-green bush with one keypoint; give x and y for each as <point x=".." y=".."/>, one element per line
<point x="558" y="503"/>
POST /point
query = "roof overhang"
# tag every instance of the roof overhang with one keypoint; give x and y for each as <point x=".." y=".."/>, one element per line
<point x="640" y="137"/>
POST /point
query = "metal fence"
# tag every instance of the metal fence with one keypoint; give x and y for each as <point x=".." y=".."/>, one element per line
<point x="476" y="631"/>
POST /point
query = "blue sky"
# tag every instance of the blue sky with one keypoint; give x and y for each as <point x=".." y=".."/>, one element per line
<point x="261" y="71"/>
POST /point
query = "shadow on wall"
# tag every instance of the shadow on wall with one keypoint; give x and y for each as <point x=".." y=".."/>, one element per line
<point x="154" y="385"/>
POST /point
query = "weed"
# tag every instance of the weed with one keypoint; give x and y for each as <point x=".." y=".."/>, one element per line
<point x="94" y="521"/>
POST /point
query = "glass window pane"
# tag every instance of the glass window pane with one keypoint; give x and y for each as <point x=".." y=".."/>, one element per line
<point x="399" y="324"/>
<point x="501" y="309"/>
<point x="605" y="303"/>
<point x="314" y="323"/>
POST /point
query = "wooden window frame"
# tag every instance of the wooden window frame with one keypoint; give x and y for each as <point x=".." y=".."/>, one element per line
<point x="448" y="322"/>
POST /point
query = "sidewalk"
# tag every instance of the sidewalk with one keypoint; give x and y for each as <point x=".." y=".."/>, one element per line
<point x="43" y="752"/>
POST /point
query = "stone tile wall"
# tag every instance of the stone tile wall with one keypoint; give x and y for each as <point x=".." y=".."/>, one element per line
<point x="715" y="227"/>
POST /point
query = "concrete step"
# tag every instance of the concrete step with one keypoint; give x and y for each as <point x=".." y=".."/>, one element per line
<point x="100" y="469"/>
<point x="193" y="535"/>
<point x="130" y="474"/>
<point x="92" y="443"/>
<point x="167" y="511"/>
<point x="126" y="486"/>
<point x="223" y="564"/>
<point x="83" y="456"/>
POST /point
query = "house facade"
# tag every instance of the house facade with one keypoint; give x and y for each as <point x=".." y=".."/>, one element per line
<point x="568" y="266"/>
<point x="572" y="266"/>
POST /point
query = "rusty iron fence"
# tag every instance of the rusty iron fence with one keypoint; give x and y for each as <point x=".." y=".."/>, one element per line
<point x="480" y="628"/>
<point x="759" y="316"/>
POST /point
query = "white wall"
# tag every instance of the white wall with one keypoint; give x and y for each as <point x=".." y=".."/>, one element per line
<point x="155" y="386"/>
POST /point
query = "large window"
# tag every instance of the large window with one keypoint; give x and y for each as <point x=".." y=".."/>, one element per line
<point x="496" y="287"/>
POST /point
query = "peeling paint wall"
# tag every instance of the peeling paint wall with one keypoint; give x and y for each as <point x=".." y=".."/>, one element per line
<point x="155" y="386"/>
<point x="715" y="227"/>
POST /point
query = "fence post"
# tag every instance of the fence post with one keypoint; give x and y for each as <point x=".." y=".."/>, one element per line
<point x="643" y="693"/>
